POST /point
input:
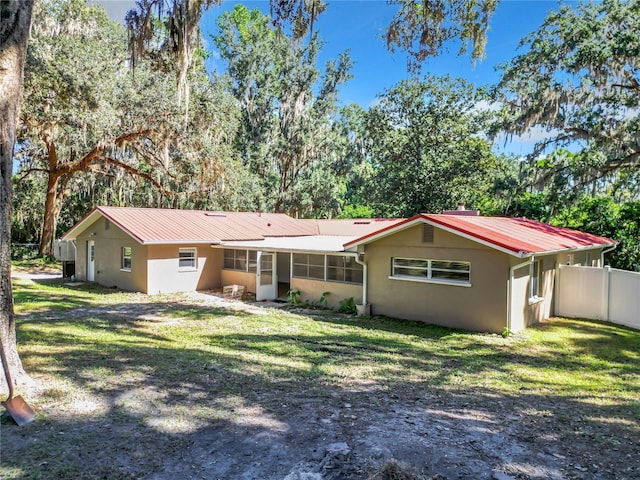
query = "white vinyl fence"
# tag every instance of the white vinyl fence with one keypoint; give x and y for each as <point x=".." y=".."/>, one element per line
<point x="598" y="294"/>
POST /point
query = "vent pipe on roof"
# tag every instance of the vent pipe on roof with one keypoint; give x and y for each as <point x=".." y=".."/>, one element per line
<point x="461" y="210"/>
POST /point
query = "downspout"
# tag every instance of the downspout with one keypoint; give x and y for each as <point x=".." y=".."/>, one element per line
<point x="359" y="260"/>
<point x="606" y="250"/>
<point x="510" y="289"/>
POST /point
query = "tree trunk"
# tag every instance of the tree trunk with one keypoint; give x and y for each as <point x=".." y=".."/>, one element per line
<point x="15" y="24"/>
<point x="52" y="207"/>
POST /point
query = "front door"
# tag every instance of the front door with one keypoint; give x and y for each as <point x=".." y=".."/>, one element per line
<point x="91" y="261"/>
<point x="266" y="277"/>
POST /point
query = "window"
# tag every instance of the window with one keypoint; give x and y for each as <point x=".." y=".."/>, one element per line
<point x="534" y="281"/>
<point x="241" y="260"/>
<point x="126" y="259"/>
<point x="187" y="259"/>
<point x="343" y="269"/>
<point x="437" y="271"/>
<point x="308" y="266"/>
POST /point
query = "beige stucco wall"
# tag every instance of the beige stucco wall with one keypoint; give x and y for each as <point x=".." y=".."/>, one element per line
<point x="233" y="277"/>
<point x="108" y="248"/>
<point x="312" y="290"/>
<point x="165" y="275"/>
<point x="480" y="307"/>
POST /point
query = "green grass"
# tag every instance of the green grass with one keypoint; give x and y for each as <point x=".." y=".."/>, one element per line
<point x="89" y="346"/>
<point x="560" y="357"/>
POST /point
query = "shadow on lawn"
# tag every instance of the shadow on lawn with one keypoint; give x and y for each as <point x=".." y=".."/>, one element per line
<point x="263" y="405"/>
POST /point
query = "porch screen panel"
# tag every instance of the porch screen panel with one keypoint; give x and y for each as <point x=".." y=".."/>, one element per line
<point x="308" y="266"/>
<point x="344" y="269"/>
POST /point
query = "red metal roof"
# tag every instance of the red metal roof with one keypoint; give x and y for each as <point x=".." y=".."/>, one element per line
<point x="517" y="235"/>
<point x="156" y="225"/>
<point x="354" y="227"/>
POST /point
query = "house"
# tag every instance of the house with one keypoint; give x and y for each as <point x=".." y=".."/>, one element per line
<point x="456" y="269"/>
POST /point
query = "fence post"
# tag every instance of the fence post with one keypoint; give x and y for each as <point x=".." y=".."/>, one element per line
<point x="607" y="299"/>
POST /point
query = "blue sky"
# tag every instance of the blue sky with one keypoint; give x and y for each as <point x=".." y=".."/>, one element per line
<point x="359" y="25"/>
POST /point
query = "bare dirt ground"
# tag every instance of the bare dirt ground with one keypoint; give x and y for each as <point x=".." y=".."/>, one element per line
<point x="316" y="433"/>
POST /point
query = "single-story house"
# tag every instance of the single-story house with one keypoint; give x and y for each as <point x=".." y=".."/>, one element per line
<point x="456" y="269"/>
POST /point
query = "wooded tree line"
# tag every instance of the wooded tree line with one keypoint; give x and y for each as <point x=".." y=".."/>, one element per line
<point x="271" y="135"/>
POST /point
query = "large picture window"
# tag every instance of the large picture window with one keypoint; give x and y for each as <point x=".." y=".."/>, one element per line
<point x="439" y="271"/>
<point x="241" y="260"/>
<point x="125" y="263"/>
<point x="187" y="259"/>
<point x="343" y="269"/>
<point x="308" y="266"/>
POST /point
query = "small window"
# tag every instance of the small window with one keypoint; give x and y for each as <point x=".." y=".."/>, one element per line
<point x="534" y="281"/>
<point x="436" y="271"/>
<point x="308" y="266"/>
<point x="107" y="224"/>
<point x="344" y="269"/>
<point x="187" y="259"/>
<point x="126" y="259"/>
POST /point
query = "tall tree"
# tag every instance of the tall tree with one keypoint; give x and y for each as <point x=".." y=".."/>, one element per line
<point x="82" y="110"/>
<point x="15" y="22"/>
<point x="287" y="127"/>
<point x="578" y="81"/>
<point x="428" y="153"/>
<point x="101" y="120"/>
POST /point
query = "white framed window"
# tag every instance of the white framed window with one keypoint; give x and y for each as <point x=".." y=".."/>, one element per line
<point x="534" y="282"/>
<point x="187" y="259"/>
<point x="434" y="271"/>
<point x="308" y="266"/>
<point x="125" y="262"/>
<point x="344" y="269"/>
<point x="241" y="260"/>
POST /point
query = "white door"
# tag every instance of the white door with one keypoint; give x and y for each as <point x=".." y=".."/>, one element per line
<point x="266" y="277"/>
<point x="91" y="261"/>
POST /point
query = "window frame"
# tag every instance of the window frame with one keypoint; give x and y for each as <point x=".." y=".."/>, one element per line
<point x="535" y="282"/>
<point x="426" y="265"/>
<point x="308" y="266"/>
<point x="344" y="268"/>
<point x="193" y="258"/>
<point x="124" y="257"/>
<point x="250" y="261"/>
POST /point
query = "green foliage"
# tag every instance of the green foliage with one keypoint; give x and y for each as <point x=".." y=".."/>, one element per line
<point x="101" y="135"/>
<point x="348" y="306"/>
<point x="293" y="296"/>
<point x="356" y="211"/>
<point x="287" y="137"/>
<point x="323" y="299"/>
<point x="422" y="28"/>
<point x="506" y="332"/>
<point x="578" y="81"/>
<point x="425" y="148"/>
<point x="603" y="216"/>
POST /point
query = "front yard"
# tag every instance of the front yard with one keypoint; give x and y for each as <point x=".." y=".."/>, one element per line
<point x="187" y="386"/>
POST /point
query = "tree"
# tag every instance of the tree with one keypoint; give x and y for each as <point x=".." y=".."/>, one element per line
<point x="287" y="132"/>
<point x="427" y="151"/>
<point x="578" y="81"/>
<point x="86" y="118"/>
<point x="422" y="27"/>
<point x="603" y="216"/>
<point x="102" y="121"/>
<point x="14" y="31"/>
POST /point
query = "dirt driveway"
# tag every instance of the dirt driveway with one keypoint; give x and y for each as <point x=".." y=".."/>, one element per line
<point x="312" y="432"/>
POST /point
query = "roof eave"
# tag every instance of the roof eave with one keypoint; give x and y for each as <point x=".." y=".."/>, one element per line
<point x="569" y="250"/>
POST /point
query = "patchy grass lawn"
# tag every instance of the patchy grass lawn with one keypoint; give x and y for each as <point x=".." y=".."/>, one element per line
<point x="136" y="386"/>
